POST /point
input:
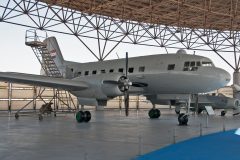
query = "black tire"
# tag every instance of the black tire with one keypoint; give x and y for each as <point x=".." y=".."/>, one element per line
<point x="182" y="119"/>
<point x="157" y="113"/>
<point x="154" y="113"/>
<point x="199" y="111"/>
<point x="177" y="111"/>
<point x="40" y="117"/>
<point x="151" y="113"/>
<point x="87" y="116"/>
<point x="16" y="116"/>
<point x="80" y="116"/>
<point x="223" y="113"/>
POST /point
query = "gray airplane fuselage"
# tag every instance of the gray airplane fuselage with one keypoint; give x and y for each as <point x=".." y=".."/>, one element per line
<point x="159" y="74"/>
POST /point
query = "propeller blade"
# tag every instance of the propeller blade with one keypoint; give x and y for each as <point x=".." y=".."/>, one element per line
<point x="126" y="93"/>
<point x="126" y="102"/>
<point x="126" y="67"/>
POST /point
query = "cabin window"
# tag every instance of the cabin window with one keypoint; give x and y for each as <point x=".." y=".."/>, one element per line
<point x="120" y="70"/>
<point x="171" y="66"/>
<point x="72" y="69"/>
<point x="79" y="73"/>
<point x="198" y="63"/>
<point x="204" y="64"/>
<point x="141" y="69"/>
<point x="111" y="70"/>
<point x="86" y="73"/>
<point x="192" y="64"/>
<point x="130" y="70"/>
<point x="186" y="64"/>
<point x="103" y="71"/>
<point x="94" y="72"/>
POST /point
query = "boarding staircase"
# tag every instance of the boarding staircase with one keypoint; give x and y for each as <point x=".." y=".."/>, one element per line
<point x="36" y="42"/>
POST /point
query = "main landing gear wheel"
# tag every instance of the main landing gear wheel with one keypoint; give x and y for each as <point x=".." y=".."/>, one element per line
<point x="16" y="116"/>
<point x="154" y="113"/>
<point x="177" y="110"/>
<point x="223" y="113"/>
<point x="40" y="117"/>
<point x="200" y="111"/>
<point x="83" y="116"/>
<point x="183" y="119"/>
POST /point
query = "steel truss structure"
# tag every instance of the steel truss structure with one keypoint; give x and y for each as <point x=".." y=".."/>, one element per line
<point x="110" y="32"/>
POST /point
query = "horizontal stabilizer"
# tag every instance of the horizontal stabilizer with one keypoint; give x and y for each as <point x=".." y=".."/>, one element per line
<point x="38" y="80"/>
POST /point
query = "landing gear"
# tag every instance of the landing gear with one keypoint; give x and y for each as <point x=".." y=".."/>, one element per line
<point x="223" y="113"/>
<point x="199" y="110"/>
<point x="87" y="116"/>
<point x="83" y="116"/>
<point x="16" y="116"/>
<point x="177" y="109"/>
<point x="40" y="117"/>
<point x="154" y="113"/>
<point x="183" y="119"/>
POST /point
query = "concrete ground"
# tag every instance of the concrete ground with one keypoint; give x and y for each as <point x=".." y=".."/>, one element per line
<point x="109" y="135"/>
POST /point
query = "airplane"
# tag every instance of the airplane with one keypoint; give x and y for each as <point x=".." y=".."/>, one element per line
<point x="94" y="83"/>
<point x="219" y="101"/>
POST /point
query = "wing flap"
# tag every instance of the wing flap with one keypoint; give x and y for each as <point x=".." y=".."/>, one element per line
<point x="38" y="80"/>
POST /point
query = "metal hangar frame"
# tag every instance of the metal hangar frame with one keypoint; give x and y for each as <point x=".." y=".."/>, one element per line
<point x="210" y="25"/>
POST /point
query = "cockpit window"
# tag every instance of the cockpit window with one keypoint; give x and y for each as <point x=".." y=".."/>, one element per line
<point x="186" y="64"/>
<point x="191" y="66"/>
<point x="209" y="64"/>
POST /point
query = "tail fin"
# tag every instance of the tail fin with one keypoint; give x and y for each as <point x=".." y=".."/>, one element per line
<point x="53" y="48"/>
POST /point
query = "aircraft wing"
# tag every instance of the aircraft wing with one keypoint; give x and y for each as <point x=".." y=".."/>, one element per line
<point x="45" y="81"/>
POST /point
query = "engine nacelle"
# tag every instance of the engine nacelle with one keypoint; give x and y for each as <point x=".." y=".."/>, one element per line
<point x="232" y="102"/>
<point x="102" y="86"/>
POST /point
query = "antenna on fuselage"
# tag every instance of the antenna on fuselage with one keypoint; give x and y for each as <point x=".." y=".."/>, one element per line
<point x="117" y="55"/>
<point x="166" y="50"/>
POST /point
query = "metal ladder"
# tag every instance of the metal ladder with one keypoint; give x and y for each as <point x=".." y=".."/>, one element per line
<point x="48" y="65"/>
<point x="42" y="53"/>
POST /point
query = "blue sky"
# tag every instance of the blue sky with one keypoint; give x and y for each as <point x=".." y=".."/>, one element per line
<point x="17" y="57"/>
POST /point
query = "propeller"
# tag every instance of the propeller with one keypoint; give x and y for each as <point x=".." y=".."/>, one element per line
<point x="126" y="93"/>
<point x="124" y="83"/>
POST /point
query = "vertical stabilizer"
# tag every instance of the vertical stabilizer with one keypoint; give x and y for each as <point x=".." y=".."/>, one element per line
<point x="56" y="54"/>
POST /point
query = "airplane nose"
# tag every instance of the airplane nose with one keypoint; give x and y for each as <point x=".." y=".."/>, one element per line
<point x="224" y="76"/>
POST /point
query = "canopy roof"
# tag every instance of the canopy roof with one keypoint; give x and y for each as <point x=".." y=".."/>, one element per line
<point x="204" y="14"/>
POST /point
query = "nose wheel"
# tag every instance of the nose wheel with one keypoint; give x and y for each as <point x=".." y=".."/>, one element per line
<point x="183" y="119"/>
<point x="83" y="116"/>
<point x="223" y="113"/>
<point x="154" y="113"/>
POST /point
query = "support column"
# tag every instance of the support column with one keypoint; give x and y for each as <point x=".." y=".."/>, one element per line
<point x="196" y="104"/>
<point x="236" y="80"/>
<point x="101" y="104"/>
<point x="82" y="107"/>
<point x="120" y="102"/>
<point x="100" y="108"/>
<point x="34" y="98"/>
<point x="137" y="102"/>
<point x="9" y="97"/>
